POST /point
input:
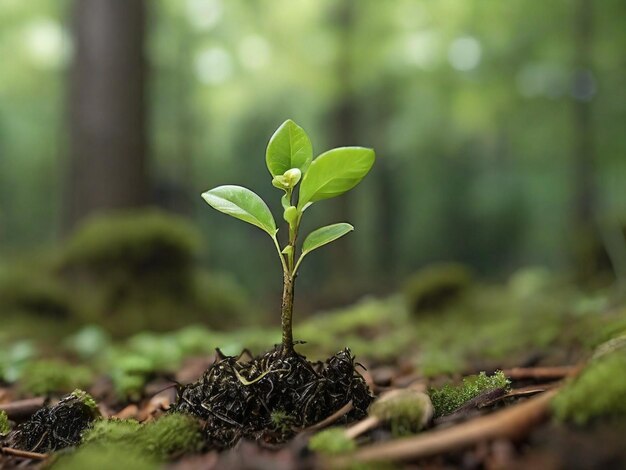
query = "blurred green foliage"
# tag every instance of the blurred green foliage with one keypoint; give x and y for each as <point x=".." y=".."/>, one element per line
<point x="126" y="272"/>
<point x="469" y="105"/>
<point x="43" y="377"/>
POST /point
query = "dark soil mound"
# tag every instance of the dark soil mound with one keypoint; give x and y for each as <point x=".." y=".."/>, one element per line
<point x="55" y="427"/>
<point x="273" y="396"/>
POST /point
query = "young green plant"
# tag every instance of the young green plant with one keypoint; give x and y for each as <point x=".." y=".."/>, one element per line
<point x="304" y="181"/>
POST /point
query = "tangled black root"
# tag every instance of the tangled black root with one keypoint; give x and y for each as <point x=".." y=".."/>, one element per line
<point x="56" y="427"/>
<point x="273" y="396"/>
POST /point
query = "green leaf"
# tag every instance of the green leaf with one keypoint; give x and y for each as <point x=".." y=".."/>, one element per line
<point x="334" y="172"/>
<point x="325" y="235"/>
<point x="289" y="147"/>
<point x="242" y="204"/>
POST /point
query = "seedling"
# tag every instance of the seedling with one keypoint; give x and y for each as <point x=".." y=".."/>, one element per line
<point x="304" y="181"/>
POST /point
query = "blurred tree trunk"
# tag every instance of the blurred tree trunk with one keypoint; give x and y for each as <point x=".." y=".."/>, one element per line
<point x="586" y="239"/>
<point x="343" y="131"/>
<point x="108" y="161"/>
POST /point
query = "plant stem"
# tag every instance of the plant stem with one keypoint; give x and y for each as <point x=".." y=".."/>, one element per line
<point x="287" y="313"/>
<point x="289" y="280"/>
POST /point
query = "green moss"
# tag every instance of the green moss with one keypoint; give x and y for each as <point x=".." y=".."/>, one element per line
<point x="374" y="328"/>
<point x="332" y="441"/>
<point x="48" y="376"/>
<point x="112" y="431"/>
<point x="406" y="411"/>
<point x="109" y="457"/>
<point x="449" y="398"/>
<point x="434" y="286"/>
<point x="172" y="435"/>
<point x="281" y="421"/>
<point x="489" y="323"/>
<point x="4" y="424"/>
<point x="35" y="292"/>
<point x="133" y="242"/>
<point x="86" y="399"/>
<point x="599" y="391"/>
<point x="134" y="271"/>
<point x="165" y="438"/>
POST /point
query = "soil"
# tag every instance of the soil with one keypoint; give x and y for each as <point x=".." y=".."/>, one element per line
<point x="55" y="427"/>
<point x="272" y="397"/>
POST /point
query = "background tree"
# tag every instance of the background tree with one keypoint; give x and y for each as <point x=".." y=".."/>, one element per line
<point x="108" y="165"/>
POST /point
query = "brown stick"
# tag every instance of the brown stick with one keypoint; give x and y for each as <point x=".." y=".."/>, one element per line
<point x="511" y="422"/>
<point x="522" y="392"/>
<point x="23" y="453"/>
<point x="22" y="409"/>
<point x="541" y="373"/>
<point x="362" y="426"/>
<point x="330" y="419"/>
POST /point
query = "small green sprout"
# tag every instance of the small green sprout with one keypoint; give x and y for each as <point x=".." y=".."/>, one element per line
<point x="289" y="159"/>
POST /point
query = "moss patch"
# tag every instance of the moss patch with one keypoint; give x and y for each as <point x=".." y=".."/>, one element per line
<point x="5" y="428"/>
<point x="332" y="441"/>
<point x="449" y="398"/>
<point x="436" y="286"/>
<point x="170" y="436"/>
<point x="406" y="411"/>
<point x="600" y="390"/>
<point x="109" y="457"/>
<point x="49" y="376"/>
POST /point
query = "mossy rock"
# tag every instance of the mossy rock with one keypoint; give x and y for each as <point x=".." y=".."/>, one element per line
<point x="599" y="391"/>
<point x="136" y="270"/>
<point x="36" y="293"/>
<point x="434" y="287"/>
<point x="136" y="242"/>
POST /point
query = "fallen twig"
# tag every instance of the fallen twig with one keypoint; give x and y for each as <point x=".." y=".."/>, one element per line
<point x="512" y="422"/>
<point x="22" y="409"/>
<point x="542" y="373"/>
<point x="23" y="453"/>
<point x="471" y="406"/>
<point x="330" y="419"/>
<point x="521" y="392"/>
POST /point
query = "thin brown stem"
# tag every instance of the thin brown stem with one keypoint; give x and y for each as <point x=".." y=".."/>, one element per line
<point x="344" y="410"/>
<point x="287" y="313"/>
<point x="23" y="453"/>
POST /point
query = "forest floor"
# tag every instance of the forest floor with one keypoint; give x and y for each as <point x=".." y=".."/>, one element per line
<point x="526" y="374"/>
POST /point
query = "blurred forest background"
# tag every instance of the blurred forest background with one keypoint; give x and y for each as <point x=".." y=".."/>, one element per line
<point x="499" y="130"/>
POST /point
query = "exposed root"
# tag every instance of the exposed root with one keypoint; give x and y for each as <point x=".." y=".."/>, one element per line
<point x="56" y="427"/>
<point x="273" y="396"/>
